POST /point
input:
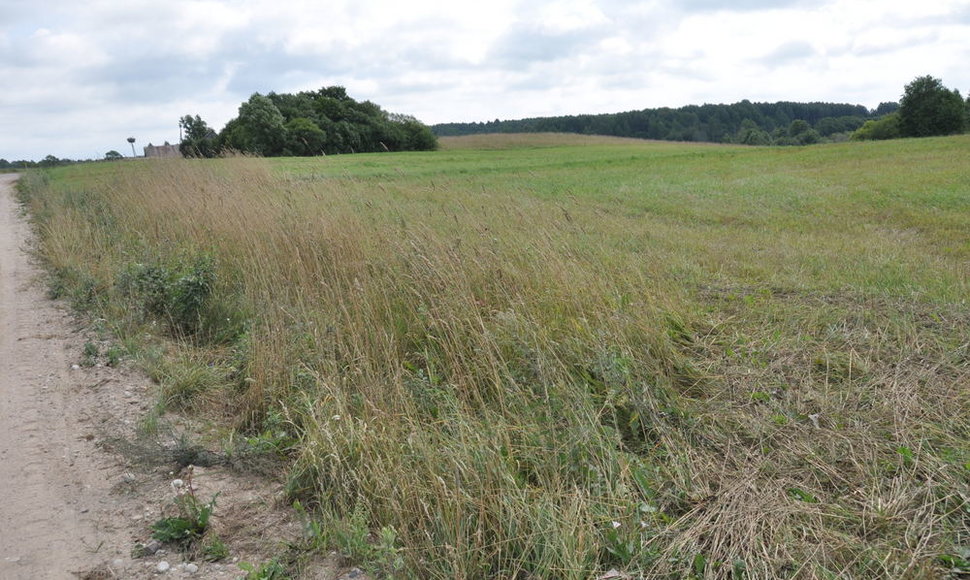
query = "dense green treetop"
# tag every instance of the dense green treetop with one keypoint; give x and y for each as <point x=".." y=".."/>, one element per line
<point x="325" y="121"/>
<point x="198" y="140"/>
<point x="929" y="108"/>
<point x="264" y="125"/>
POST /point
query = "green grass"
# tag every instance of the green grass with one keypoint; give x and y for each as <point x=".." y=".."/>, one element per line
<point x="550" y="356"/>
<point x="791" y="215"/>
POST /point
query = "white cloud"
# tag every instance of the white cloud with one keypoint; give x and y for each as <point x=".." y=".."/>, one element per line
<point x="81" y="77"/>
<point x="569" y="15"/>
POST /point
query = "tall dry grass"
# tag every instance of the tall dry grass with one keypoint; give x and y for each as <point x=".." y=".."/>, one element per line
<point x="506" y="388"/>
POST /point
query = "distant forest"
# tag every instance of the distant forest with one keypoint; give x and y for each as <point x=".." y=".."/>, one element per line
<point x="783" y="123"/>
<point x="21" y="164"/>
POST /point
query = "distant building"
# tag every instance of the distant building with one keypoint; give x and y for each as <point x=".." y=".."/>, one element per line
<point x="165" y="150"/>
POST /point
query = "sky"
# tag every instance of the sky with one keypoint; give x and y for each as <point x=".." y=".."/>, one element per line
<point x="80" y="77"/>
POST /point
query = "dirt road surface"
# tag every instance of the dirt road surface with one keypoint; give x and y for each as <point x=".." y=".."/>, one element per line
<point x="56" y="507"/>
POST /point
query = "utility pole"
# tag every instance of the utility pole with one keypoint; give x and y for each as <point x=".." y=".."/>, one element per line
<point x="132" y="141"/>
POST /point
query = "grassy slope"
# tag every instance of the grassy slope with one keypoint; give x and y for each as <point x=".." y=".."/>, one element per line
<point x="558" y="355"/>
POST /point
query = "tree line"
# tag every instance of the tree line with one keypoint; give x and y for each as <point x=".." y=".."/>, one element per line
<point x="927" y="108"/>
<point x="46" y="162"/>
<point x="782" y="123"/>
<point x="321" y="122"/>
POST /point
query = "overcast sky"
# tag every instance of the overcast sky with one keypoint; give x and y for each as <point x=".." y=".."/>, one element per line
<point x="79" y="77"/>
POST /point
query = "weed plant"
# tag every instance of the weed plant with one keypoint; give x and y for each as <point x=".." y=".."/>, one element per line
<point x="517" y="358"/>
<point x="272" y="570"/>
<point x="187" y="527"/>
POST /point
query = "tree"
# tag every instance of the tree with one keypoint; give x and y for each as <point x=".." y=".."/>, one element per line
<point x="751" y="134"/>
<point x="50" y="161"/>
<point x="233" y="137"/>
<point x="885" y="109"/>
<point x="304" y="137"/>
<point x="928" y="108"/>
<point x="419" y="136"/>
<point x="798" y="127"/>
<point x="326" y="121"/>
<point x="198" y="140"/>
<point x="264" y="125"/>
<point x="113" y="155"/>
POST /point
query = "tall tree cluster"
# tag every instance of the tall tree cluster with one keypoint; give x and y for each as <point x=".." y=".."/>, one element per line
<point x="322" y="122"/>
<point x="928" y="108"/>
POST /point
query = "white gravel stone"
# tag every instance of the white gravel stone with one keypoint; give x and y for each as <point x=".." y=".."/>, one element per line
<point x="163" y="566"/>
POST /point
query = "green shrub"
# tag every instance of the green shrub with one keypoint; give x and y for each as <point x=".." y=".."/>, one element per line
<point x="181" y="296"/>
<point x="886" y="127"/>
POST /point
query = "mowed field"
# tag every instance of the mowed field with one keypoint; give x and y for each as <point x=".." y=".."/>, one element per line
<point x="548" y="356"/>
